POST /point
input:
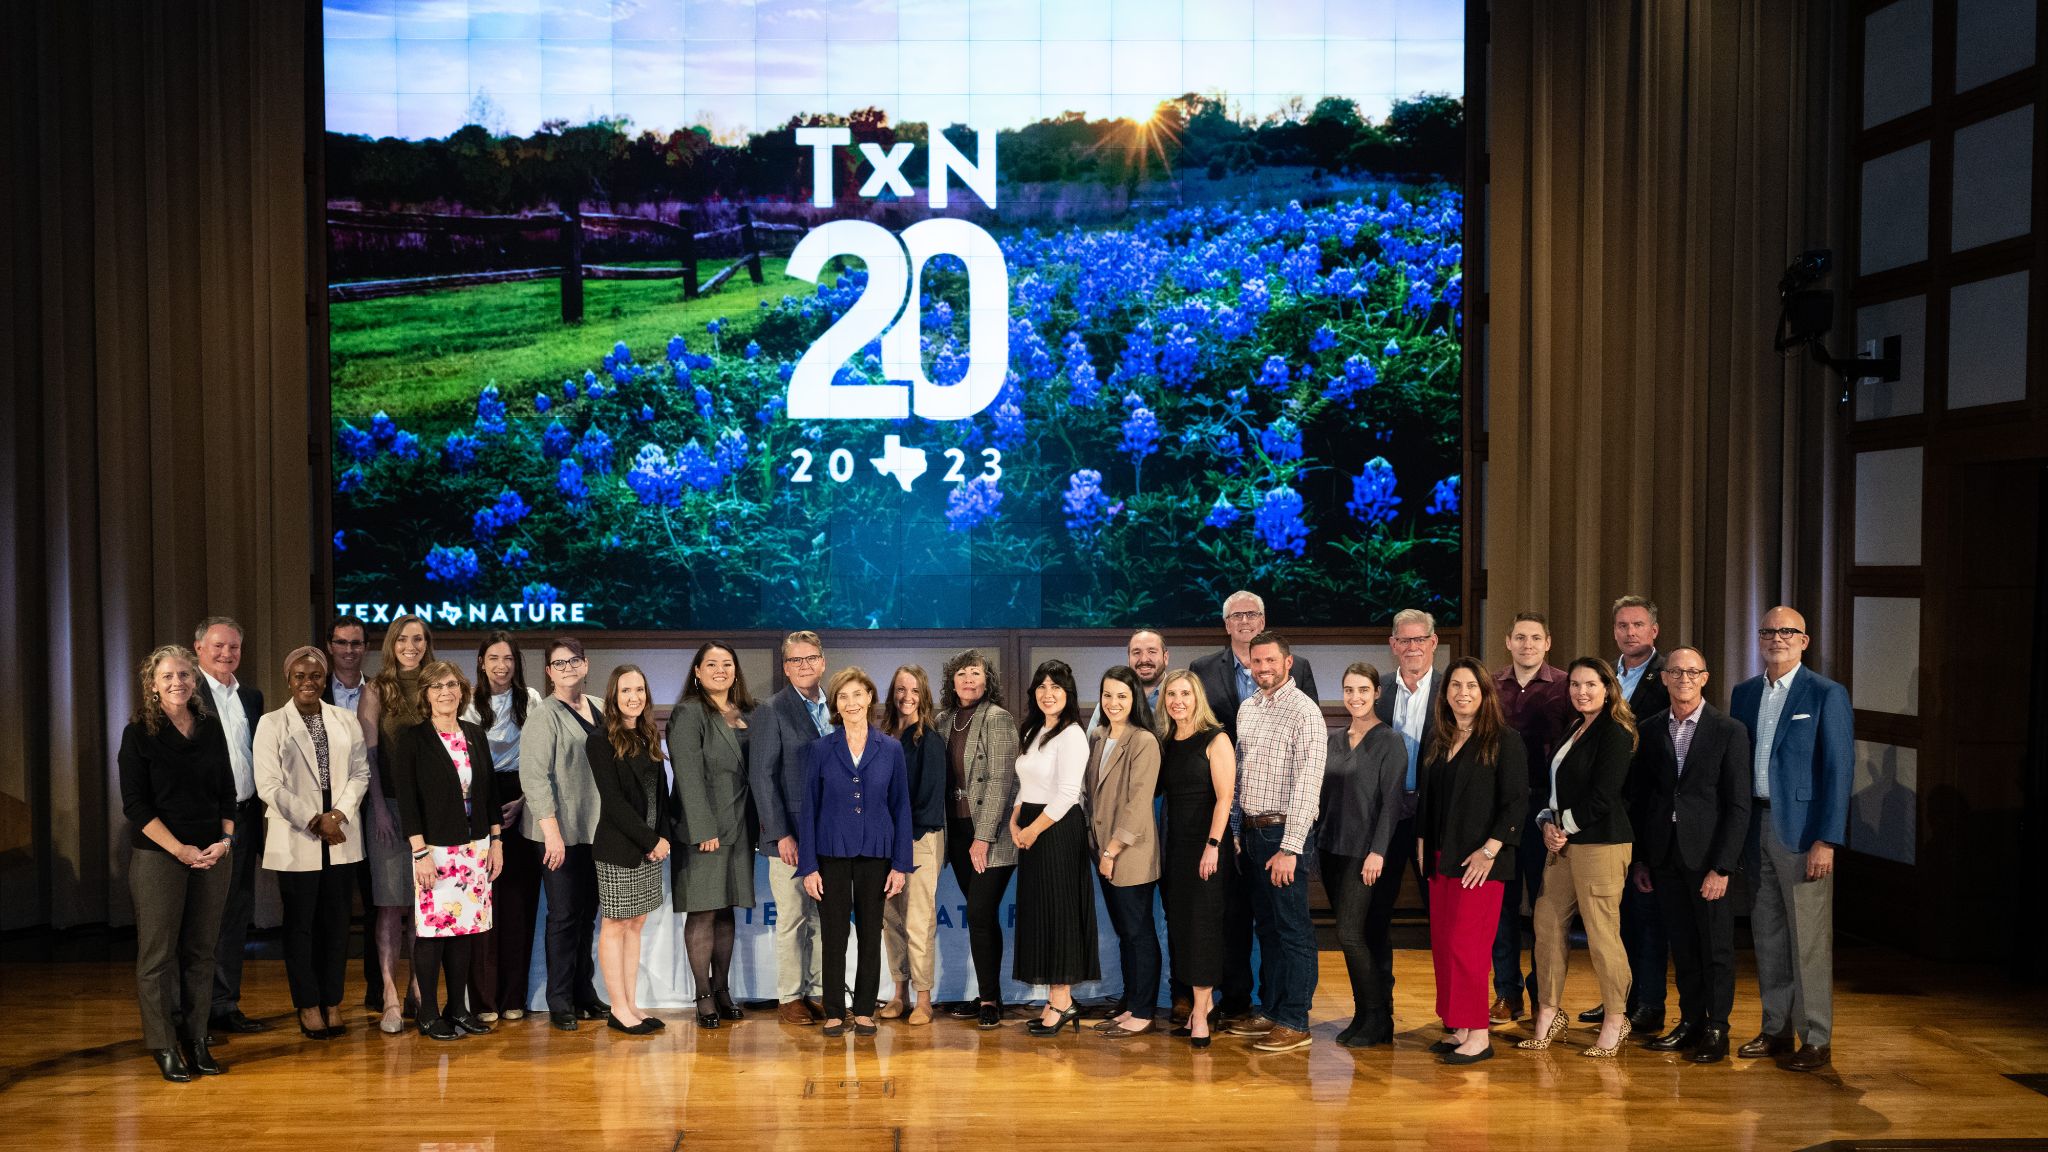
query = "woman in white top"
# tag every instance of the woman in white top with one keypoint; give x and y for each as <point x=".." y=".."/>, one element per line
<point x="1055" y="873"/>
<point x="500" y="707"/>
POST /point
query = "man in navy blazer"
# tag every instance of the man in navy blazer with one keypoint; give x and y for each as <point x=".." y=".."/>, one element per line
<point x="788" y="723"/>
<point x="1802" y="732"/>
<point x="1689" y="803"/>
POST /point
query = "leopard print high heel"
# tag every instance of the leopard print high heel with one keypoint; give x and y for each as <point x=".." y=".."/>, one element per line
<point x="1598" y="1052"/>
<point x="1558" y="1024"/>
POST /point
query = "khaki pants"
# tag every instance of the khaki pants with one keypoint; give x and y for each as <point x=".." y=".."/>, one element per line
<point x="799" y="952"/>
<point x="1586" y="878"/>
<point x="910" y="919"/>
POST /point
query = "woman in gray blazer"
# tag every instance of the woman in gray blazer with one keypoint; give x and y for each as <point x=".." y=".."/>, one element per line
<point x="1123" y="778"/>
<point x="561" y="813"/>
<point x="713" y="864"/>
<point x="981" y="789"/>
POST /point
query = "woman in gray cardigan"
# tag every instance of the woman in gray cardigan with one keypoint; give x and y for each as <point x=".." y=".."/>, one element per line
<point x="561" y="813"/>
<point x="981" y="789"/>
<point x="713" y="865"/>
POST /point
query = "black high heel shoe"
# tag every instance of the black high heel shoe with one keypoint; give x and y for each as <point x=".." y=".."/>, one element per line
<point x="1070" y="1015"/>
<point x="989" y="1016"/>
<point x="727" y="1009"/>
<point x="707" y="1017"/>
<point x="320" y="1033"/>
<point x="1199" y="1042"/>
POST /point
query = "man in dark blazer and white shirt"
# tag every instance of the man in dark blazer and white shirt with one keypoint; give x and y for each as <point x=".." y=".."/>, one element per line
<point x="218" y="643"/>
<point x="1227" y="681"/>
<point x="782" y="729"/>
<point x="1640" y="667"/>
<point x="1802" y="736"/>
<point x="1689" y="803"/>
<point x="1408" y="705"/>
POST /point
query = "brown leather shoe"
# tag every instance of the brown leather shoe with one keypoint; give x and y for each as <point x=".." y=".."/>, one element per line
<point x="1180" y="1012"/>
<point x="1504" y="1012"/>
<point x="894" y="1010"/>
<point x="1810" y="1058"/>
<point x="816" y="1009"/>
<point x="1283" y="1039"/>
<point x="1251" y="1026"/>
<point x="1764" y="1045"/>
<point x="794" y="1012"/>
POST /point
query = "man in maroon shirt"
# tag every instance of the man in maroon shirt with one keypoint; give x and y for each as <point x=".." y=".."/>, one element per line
<point x="1532" y="699"/>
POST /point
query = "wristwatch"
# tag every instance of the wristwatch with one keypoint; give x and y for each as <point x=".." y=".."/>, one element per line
<point x="1488" y="855"/>
<point x="1215" y="843"/>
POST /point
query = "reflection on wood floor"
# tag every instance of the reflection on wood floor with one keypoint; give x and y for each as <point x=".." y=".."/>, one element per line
<point x="1922" y="1051"/>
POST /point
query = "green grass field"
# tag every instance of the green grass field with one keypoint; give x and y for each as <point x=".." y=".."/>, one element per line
<point x="426" y="356"/>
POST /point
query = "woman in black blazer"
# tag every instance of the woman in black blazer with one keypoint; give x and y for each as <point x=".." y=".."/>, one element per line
<point x="441" y="774"/>
<point x="633" y="821"/>
<point x="1468" y="820"/>
<point x="1588" y="838"/>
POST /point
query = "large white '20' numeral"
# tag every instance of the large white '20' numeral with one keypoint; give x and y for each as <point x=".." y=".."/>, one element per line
<point x="894" y="279"/>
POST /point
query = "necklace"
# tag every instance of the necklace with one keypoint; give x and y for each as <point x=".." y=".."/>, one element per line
<point x="966" y="714"/>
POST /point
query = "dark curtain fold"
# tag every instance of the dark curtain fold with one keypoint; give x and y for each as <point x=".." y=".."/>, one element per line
<point x="152" y="228"/>
<point x="1655" y="164"/>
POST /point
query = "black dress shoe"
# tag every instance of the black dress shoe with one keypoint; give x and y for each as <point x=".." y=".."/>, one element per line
<point x="1809" y="1058"/>
<point x="1370" y="1032"/>
<point x="727" y="1009"/>
<point x="707" y="1015"/>
<point x="964" y="1010"/>
<point x="1646" y="1021"/>
<point x="1764" y="1045"/>
<point x="440" y="1028"/>
<point x="1593" y="1015"/>
<point x="233" y="1021"/>
<point x="1712" y="1046"/>
<point x="594" y="1011"/>
<point x="1685" y="1036"/>
<point x="1456" y="1057"/>
<point x="200" y="1059"/>
<point x="989" y="1016"/>
<point x="470" y="1024"/>
<point x="1444" y="1046"/>
<point x="566" y="1021"/>
<point x="171" y="1063"/>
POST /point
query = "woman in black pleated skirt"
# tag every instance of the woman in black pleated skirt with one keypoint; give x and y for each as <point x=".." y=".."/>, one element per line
<point x="1055" y="868"/>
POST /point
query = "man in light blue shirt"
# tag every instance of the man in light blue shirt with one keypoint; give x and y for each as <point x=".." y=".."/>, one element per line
<point x="218" y="643"/>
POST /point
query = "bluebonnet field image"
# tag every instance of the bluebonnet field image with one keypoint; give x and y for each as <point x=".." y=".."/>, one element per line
<point x="1233" y="359"/>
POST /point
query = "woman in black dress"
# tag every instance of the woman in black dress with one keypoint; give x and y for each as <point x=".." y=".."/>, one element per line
<point x="1198" y="777"/>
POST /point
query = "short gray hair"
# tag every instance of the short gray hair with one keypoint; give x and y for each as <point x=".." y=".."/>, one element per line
<point x="1416" y="616"/>
<point x="212" y="622"/>
<point x="1633" y="601"/>
<point x="1244" y="594"/>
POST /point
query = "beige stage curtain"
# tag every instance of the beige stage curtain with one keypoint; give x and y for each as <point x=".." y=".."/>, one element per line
<point x="153" y="341"/>
<point x="1655" y="164"/>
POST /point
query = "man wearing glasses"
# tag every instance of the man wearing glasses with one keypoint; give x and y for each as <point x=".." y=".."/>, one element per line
<point x="782" y="729"/>
<point x="1227" y="682"/>
<point x="1688" y="792"/>
<point x="1409" y="707"/>
<point x="1802" y="730"/>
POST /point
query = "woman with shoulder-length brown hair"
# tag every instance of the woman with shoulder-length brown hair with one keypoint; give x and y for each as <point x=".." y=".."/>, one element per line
<point x="981" y="787"/>
<point x="1588" y="841"/>
<point x="631" y="841"/>
<point x="500" y="706"/>
<point x="178" y="792"/>
<point x="709" y="743"/>
<point x="910" y="923"/>
<point x="389" y="707"/>
<point x="1468" y="818"/>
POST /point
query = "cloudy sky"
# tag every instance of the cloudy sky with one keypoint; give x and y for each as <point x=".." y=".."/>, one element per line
<point x="416" y="68"/>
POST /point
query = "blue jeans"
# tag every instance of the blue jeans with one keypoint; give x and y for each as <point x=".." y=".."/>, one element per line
<point x="1137" y="937"/>
<point x="1287" y="939"/>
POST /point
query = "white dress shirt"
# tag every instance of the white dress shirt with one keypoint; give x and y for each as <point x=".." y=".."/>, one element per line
<point x="1411" y="716"/>
<point x="345" y="697"/>
<point x="1776" y="692"/>
<point x="227" y="704"/>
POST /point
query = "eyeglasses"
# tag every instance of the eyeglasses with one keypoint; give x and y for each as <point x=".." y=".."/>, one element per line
<point x="1686" y="673"/>
<point x="805" y="661"/>
<point x="346" y="644"/>
<point x="1408" y="641"/>
<point x="1780" y="633"/>
<point x="565" y="665"/>
<point x="1243" y="617"/>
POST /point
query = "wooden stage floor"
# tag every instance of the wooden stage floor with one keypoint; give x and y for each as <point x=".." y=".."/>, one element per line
<point x="1925" y="1052"/>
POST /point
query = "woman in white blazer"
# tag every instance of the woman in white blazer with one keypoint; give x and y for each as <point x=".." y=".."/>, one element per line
<point x="312" y="772"/>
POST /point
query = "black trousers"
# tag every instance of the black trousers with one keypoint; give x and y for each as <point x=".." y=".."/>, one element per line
<point x="1648" y="948"/>
<point x="505" y="955"/>
<point x="984" y="892"/>
<point x="1379" y="918"/>
<point x="1137" y="938"/>
<point x="1702" y="935"/>
<point x="373" y="968"/>
<point x="241" y="906"/>
<point x="853" y="892"/>
<point x="1364" y="943"/>
<point x="572" y="921"/>
<point x="316" y="932"/>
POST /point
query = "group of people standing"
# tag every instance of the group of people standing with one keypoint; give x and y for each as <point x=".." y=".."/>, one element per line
<point x="1215" y="788"/>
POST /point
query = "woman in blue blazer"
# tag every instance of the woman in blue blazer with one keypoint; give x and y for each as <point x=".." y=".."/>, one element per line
<point x="853" y="840"/>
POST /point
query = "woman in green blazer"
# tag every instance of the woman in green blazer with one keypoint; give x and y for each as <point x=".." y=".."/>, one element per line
<point x="713" y="865"/>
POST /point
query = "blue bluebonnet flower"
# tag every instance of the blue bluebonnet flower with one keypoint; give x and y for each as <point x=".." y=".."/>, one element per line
<point x="646" y="413"/>
<point x="1238" y="398"/>
<point x="1029" y="351"/>
<point x="1255" y="297"/>
<point x="541" y="403"/>
<point x="1342" y="282"/>
<point x="1010" y="428"/>
<point x="382" y="430"/>
<point x="339" y="547"/>
<point x="774" y="407"/>
<point x="504" y="512"/>
<point x="569" y="480"/>
<point x="698" y="470"/>
<point x="540" y="595"/>
<point x="732" y="450"/>
<point x="490" y="411"/>
<point x="1141" y="434"/>
<point x="940" y="317"/>
<point x="355" y="443"/>
<point x="596" y="450"/>
<point x="1281" y="440"/>
<point x="1372" y="493"/>
<point x="653" y="479"/>
<point x="1278" y="521"/>
<point x="1088" y="511"/>
<point x="1392" y="349"/>
<point x="784" y="370"/>
<point x="1229" y="446"/>
<point x="1274" y="373"/>
<point x="556" y="441"/>
<point x="1420" y="297"/>
<point x="590" y="382"/>
<point x="1323" y="340"/>
<point x="972" y="503"/>
<point x="1235" y="324"/>
<point x="1358" y="376"/>
<point x="456" y="567"/>
<point x="349" y="481"/>
<point x="621" y="354"/>
<point x="405" y="446"/>
<point x="1178" y="358"/>
<point x="753" y="350"/>
<point x="595" y="390"/>
<point x="1222" y="514"/>
<point x="1443" y="499"/>
<point x="1140" y="353"/>
<point x="700" y="398"/>
<point x="1454" y="292"/>
<point x="568" y="389"/>
<point x="515" y="557"/>
<point x="1133" y="401"/>
<point x="676" y="348"/>
<point x="949" y="366"/>
<point x="1083" y="388"/>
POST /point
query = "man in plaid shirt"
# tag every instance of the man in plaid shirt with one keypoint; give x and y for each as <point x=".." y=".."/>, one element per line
<point x="1281" y="745"/>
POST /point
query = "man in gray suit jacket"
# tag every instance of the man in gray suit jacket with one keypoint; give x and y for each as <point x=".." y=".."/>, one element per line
<point x="782" y="729"/>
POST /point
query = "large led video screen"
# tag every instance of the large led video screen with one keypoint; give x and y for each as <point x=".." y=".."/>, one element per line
<point x="756" y="314"/>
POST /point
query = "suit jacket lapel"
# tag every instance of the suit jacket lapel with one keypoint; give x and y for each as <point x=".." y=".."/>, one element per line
<point x="1797" y="697"/>
<point x="295" y="726"/>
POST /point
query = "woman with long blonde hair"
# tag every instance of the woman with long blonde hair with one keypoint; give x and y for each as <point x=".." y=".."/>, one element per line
<point x="1198" y="778"/>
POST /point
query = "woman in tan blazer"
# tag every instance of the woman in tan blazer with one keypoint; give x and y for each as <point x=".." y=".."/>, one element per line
<point x="312" y="772"/>
<point x="1123" y="777"/>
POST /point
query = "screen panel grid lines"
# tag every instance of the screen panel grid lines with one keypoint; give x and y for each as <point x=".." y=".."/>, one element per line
<point x="720" y="315"/>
